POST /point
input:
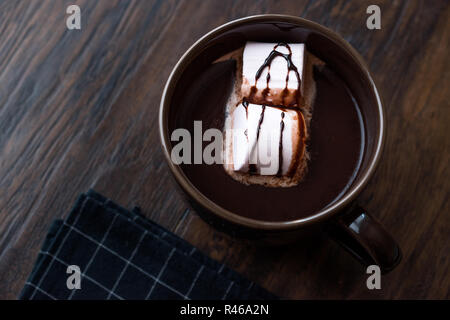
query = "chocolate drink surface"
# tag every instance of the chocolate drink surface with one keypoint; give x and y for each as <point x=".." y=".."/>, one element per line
<point x="335" y="145"/>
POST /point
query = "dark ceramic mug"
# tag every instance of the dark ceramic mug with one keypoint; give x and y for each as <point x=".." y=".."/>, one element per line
<point x="346" y="222"/>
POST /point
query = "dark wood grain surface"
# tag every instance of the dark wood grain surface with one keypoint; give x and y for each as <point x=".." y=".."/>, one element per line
<point x="78" y="110"/>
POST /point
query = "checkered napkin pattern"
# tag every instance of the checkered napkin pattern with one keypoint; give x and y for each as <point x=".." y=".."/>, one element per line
<point x="123" y="255"/>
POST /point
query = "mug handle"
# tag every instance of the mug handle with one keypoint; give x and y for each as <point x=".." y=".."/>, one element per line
<point x="365" y="238"/>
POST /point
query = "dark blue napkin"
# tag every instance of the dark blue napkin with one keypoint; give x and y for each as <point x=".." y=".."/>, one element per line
<point x="123" y="255"/>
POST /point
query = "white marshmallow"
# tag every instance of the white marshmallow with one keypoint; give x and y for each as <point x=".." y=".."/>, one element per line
<point x="263" y="151"/>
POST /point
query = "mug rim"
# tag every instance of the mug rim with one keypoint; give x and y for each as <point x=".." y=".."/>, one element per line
<point x="228" y="215"/>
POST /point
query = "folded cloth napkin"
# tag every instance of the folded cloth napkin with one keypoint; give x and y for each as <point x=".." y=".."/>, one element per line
<point x="122" y="255"/>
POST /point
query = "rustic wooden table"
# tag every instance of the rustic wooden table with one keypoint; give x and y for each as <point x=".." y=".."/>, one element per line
<point x="78" y="110"/>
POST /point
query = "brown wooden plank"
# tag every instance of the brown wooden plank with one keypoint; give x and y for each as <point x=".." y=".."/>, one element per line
<point x="58" y="92"/>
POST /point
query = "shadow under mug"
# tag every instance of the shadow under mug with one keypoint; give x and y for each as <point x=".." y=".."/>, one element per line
<point x="343" y="220"/>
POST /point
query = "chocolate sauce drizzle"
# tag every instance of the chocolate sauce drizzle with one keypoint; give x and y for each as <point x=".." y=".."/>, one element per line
<point x="280" y="147"/>
<point x="245" y="105"/>
<point x="267" y="63"/>
<point x="252" y="167"/>
<point x="261" y="118"/>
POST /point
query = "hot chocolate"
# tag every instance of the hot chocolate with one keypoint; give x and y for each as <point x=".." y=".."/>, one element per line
<point x="335" y="148"/>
